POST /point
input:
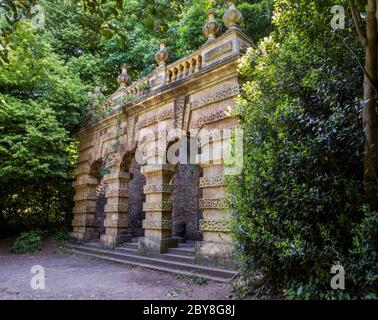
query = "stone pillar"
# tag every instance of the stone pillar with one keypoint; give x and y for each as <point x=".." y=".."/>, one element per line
<point x="84" y="222"/>
<point x="116" y="209"/>
<point x="158" y="209"/>
<point x="216" y="247"/>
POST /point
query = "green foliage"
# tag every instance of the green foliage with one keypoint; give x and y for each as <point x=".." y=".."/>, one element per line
<point x="299" y="205"/>
<point x="61" y="234"/>
<point x="95" y="38"/>
<point x="28" y="242"/>
<point x="41" y="103"/>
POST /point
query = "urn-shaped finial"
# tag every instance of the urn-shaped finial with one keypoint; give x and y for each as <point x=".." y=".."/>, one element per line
<point x="232" y="17"/>
<point x="212" y="27"/>
<point x="124" y="78"/>
<point x="162" y="56"/>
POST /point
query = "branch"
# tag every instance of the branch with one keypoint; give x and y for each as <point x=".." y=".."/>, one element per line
<point x="362" y="68"/>
<point x="357" y="23"/>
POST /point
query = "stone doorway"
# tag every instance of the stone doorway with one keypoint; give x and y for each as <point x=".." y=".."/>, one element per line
<point x="186" y="213"/>
<point x="100" y="198"/>
<point x="100" y="207"/>
<point x="136" y="199"/>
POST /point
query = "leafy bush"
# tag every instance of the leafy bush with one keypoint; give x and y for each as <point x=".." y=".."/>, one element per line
<point x="28" y="242"/>
<point x="299" y="207"/>
<point x="61" y="234"/>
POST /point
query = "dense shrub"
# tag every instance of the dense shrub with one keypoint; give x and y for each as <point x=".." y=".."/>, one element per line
<point x="299" y="205"/>
<point x="28" y="242"/>
<point x="61" y="234"/>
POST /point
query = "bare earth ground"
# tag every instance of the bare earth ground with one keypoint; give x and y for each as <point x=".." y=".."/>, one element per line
<point x="71" y="277"/>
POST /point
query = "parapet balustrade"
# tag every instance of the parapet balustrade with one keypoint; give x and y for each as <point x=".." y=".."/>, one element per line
<point x="168" y="74"/>
<point x="183" y="68"/>
<point x="178" y="70"/>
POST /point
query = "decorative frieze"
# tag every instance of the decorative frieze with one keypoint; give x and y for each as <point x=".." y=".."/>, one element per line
<point x="212" y="203"/>
<point x="121" y="193"/>
<point x="179" y="110"/>
<point x="164" y="115"/>
<point x="120" y="223"/>
<point x="130" y="132"/>
<point x="157" y="224"/>
<point x="120" y="207"/>
<point x="213" y="181"/>
<point x="84" y="208"/>
<point x="158" y="188"/>
<point x="213" y="117"/>
<point x="218" y="96"/>
<point x="84" y="223"/>
<point x="158" y="206"/>
<point x="155" y="152"/>
<point x="214" y="225"/>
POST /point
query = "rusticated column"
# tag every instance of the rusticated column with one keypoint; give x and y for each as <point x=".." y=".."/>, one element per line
<point x="84" y="222"/>
<point x="216" y="247"/>
<point x="158" y="209"/>
<point x="116" y="209"/>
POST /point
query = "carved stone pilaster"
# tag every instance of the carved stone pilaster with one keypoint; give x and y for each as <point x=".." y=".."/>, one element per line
<point x="116" y="209"/>
<point x="215" y="225"/>
<point x="158" y="208"/>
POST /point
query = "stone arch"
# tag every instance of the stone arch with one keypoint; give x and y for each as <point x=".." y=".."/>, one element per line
<point x="186" y="193"/>
<point x="95" y="171"/>
<point x="136" y="196"/>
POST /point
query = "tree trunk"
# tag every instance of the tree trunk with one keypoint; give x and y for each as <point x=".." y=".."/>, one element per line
<point x="369" y="117"/>
<point x="369" y="39"/>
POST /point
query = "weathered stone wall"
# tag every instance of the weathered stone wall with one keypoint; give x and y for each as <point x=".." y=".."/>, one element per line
<point x="186" y="194"/>
<point x="136" y="199"/>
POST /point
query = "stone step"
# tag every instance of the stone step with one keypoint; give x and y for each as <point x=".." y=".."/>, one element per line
<point x="147" y="266"/>
<point x="165" y="256"/>
<point x="130" y="245"/>
<point x="189" y="251"/>
<point x="178" y="257"/>
<point x="161" y="263"/>
<point x="127" y="250"/>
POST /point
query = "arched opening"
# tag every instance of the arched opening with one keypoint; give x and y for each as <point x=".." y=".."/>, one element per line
<point x="136" y="199"/>
<point x="136" y="196"/>
<point x="186" y="212"/>
<point x="96" y="171"/>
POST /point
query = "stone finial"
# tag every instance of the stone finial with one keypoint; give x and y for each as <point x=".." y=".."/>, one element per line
<point x="162" y="56"/>
<point x="212" y="27"/>
<point x="124" y="78"/>
<point x="232" y="17"/>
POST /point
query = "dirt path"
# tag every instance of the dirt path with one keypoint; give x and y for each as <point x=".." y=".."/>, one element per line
<point x="74" y="277"/>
